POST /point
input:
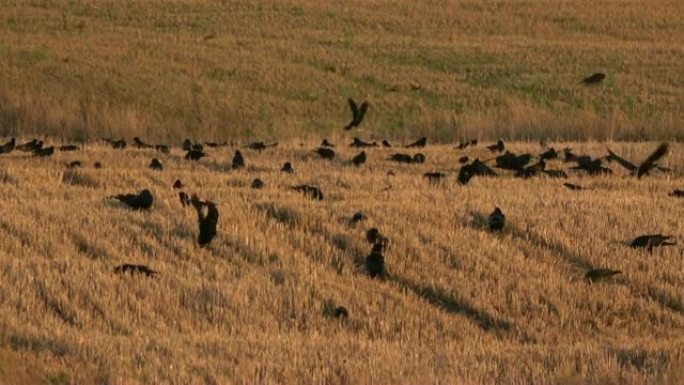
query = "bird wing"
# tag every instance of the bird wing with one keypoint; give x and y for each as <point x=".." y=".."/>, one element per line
<point x="362" y="111"/>
<point x="647" y="164"/>
<point x="354" y="108"/>
<point x="629" y="166"/>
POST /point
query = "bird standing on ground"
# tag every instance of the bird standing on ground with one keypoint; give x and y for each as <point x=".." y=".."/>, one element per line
<point x="178" y="184"/>
<point x="357" y="113"/>
<point x="325" y="153"/>
<point x="418" y="143"/>
<point x="375" y="262"/>
<point x="594" y="78"/>
<point x="195" y="155"/>
<point x="238" y="160"/>
<point x="359" y="159"/>
<point x="499" y="146"/>
<point x="287" y="167"/>
<point x="141" y="201"/>
<point x="652" y="240"/>
<point x="135" y="269"/>
<point x="155" y="164"/>
<point x="207" y="223"/>
<point x="496" y="220"/>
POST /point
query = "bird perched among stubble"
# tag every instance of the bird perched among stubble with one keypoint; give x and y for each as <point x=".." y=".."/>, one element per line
<point x="195" y="155"/>
<point x="8" y="147"/>
<point x="594" y="78"/>
<point x="375" y="262"/>
<point x="287" y="167"/>
<point x="178" y="184"/>
<point x="238" y="160"/>
<point x="135" y="269"/>
<point x="184" y="198"/>
<point x="652" y="240"/>
<point x="207" y="222"/>
<point x="155" y="164"/>
<point x="359" y="159"/>
<point x="325" y="152"/>
<point x="141" y="201"/>
<point x="496" y="220"/>
<point x="418" y="143"/>
<point x="257" y="184"/>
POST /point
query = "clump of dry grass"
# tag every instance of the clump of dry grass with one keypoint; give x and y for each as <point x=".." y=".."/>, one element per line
<point x="263" y="68"/>
<point x="461" y="305"/>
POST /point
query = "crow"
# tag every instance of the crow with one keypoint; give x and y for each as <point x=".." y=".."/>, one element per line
<point x="652" y="240"/>
<point x="357" y="113"/>
<point x="238" y="160"/>
<point x="208" y="222"/>
<point x="341" y="312"/>
<point x="260" y="146"/>
<point x="401" y="158"/>
<point x="531" y="171"/>
<point x="155" y="164"/>
<point x="463" y="145"/>
<point x="119" y="144"/>
<point x="140" y="144"/>
<point x="591" y="166"/>
<point x="375" y="263"/>
<point x="629" y="166"/>
<point x="257" y="184"/>
<point x="595" y="275"/>
<point x="477" y="168"/>
<point x="187" y="145"/>
<point x="69" y="147"/>
<point x="164" y="149"/>
<point x="434" y="177"/>
<point x="325" y="143"/>
<point x="135" y="269"/>
<point x="195" y="154"/>
<point x="496" y="220"/>
<point x="178" y="184"/>
<point x="549" y="154"/>
<point x="287" y="167"/>
<point x="97" y="165"/>
<point x="574" y="187"/>
<point x="29" y="146"/>
<point x="594" y="79"/>
<point x="499" y="146"/>
<point x="649" y="163"/>
<point x="325" y="153"/>
<point x="356" y="142"/>
<point x="141" y="201"/>
<point x="375" y="237"/>
<point x="310" y="191"/>
<point x="386" y="143"/>
<point x="677" y="194"/>
<point x="358" y="217"/>
<point x="74" y="164"/>
<point x="184" y="198"/>
<point x="359" y="159"/>
<point x="47" y="151"/>
<point x="418" y="143"/>
<point x="510" y="161"/>
<point x="8" y="147"/>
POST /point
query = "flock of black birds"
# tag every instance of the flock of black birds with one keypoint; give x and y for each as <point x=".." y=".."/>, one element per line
<point x="519" y="164"/>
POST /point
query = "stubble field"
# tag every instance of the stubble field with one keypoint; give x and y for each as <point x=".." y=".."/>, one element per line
<point x="460" y="304"/>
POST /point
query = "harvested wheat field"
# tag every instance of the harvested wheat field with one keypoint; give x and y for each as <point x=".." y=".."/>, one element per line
<point x="457" y="303"/>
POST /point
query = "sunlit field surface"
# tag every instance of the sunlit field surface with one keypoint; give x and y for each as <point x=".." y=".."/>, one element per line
<point x="460" y="305"/>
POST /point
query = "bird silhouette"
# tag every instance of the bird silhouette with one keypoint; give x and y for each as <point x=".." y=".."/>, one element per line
<point x="574" y="187"/>
<point x="260" y="146"/>
<point x="257" y="184"/>
<point x="358" y="143"/>
<point x="44" y="152"/>
<point x="119" y="144"/>
<point x="358" y="113"/>
<point x="401" y="158"/>
<point x="187" y="145"/>
<point x="140" y="144"/>
<point x="29" y="146"/>
<point x="418" y="158"/>
<point x="287" y="167"/>
<point x="195" y="154"/>
<point x="74" y="164"/>
<point x="155" y="164"/>
<point x="358" y="217"/>
<point x="162" y="148"/>
<point x="531" y="171"/>
<point x="434" y="177"/>
<point x="591" y="166"/>
<point x="496" y="220"/>
<point x="325" y="152"/>
<point x="594" y="78"/>
<point x="386" y="143"/>
<point x="325" y="143"/>
<point x="499" y="146"/>
<point x="178" y="184"/>
<point x="310" y="191"/>
<point x="359" y="159"/>
<point x="629" y="166"/>
<point x="549" y="154"/>
<point x="341" y="312"/>
<point x="650" y="162"/>
<point x="595" y="275"/>
<point x="477" y="168"/>
<point x="238" y="160"/>
<point x="418" y="143"/>
<point x="135" y="269"/>
<point x="375" y="237"/>
<point x="141" y="201"/>
<point x="652" y="240"/>
<point x="677" y="193"/>
<point x="184" y="198"/>
<point x="97" y="165"/>
<point x="207" y="222"/>
<point x="69" y="147"/>
<point x="510" y="161"/>
<point x="375" y="263"/>
<point x="463" y="159"/>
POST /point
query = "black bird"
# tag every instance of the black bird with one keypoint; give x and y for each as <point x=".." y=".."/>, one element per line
<point x="325" y="143"/>
<point x="260" y="146"/>
<point x="463" y="145"/>
<point x="135" y="269"/>
<point x="555" y="173"/>
<point x="549" y="154"/>
<point x="69" y="147"/>
<point x="359" y="159"/>
<point x="357" y="113"/>
<point x="386" y="143"/>
<point x="287" y="167"/>
<point x="29" y="146"/>
<point x="498" y="147"/>
<point x="184" y="198"/>
<point x="531" y="171"/>
<point x="418" y="143"/>
<point x="401" y="158"/>
<point x="187" y="145"/>
<point x="8" y="147"/>
<point x="594" y="79"/>
<point x="178" y="184"/>
<point x="155" y="164"/>
<point x="118" y="144"/>
<point x="325" y="153"/>
<point x="341" y="312"/>
<point x="47" y="151"/>
<point x="140" y="144"/>
<point x="375" y="263"/>
<point x="463" y="159"/>
<point x="477" y="168"/>
<point x="74" y="164"/>
<point x="257" y="184"/>
<point x="141" y="201"/>
<point x="496" y="220"/>
<point x="591" y="166"/>
<point x="357" y="142"/>
<point x="310" y="191"/>
<point x="216" y="144"/>
<point x="195" y="155"/>
<point x="197" y="147"/>
<point x="358" y="217"/>
<point x="510" y="161"/>
<point x="629" y="166"/>
<point x="650" y="162"/>
<point x="595" y="275"/>
<point x="208" y="222"/>
<point x="238" y="160"/>
<point x="677" y="194"/>
<point x="574" y="187"/>
<point x="434" y="177"/>
<point x="375" y="237"/>
<point x="164" y="149"/>
<point x="97" y="165"/>
<point x="652" y="240"/>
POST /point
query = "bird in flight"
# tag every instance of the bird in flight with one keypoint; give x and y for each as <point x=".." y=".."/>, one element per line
<point x="357" y="113"/>
<point x="650" y="162"/>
